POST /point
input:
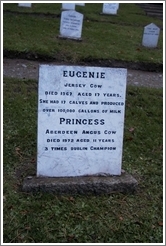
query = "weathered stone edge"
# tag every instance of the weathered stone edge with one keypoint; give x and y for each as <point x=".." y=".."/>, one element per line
<point x="125" y="183"/>
<point x="71" y="38"/>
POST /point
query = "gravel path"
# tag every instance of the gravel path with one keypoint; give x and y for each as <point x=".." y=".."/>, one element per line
<point x="25" y="69"/>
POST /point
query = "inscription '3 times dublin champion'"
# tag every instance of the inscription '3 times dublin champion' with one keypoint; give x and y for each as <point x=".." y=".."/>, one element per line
<point x="80" y="120"/>
<point x="83" y="148"/>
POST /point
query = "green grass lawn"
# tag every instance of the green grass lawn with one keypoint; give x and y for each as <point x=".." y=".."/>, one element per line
<point x="128" y="13"/>
<point x="116" y="218"/>
<point x="104" y="37"/>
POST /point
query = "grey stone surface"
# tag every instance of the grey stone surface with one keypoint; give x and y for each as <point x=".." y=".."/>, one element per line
<point x="80" y="4"/>
<point x="110" y="8"/>
<point x="80" y="120"/>
<point x="71" y="24"/>
<point x="25" y="5"/>
<point x="98" y="185"/>
<point x="150" y="36"/>
<point x="68" y="6"/>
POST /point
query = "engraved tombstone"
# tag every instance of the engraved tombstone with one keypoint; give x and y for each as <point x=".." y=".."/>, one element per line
<point x="68" y="6"/>
<point x="80" y="4"/>
<point x="80" y="120"/>
<point x="71" y="24"/>
<point x="150" y="36"/>
<point x="25" y="5"/>
<point x="110" y="8"/>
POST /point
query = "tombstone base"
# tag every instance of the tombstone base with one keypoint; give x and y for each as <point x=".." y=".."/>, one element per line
<point x="108" y="14"/>
<point x="83" y="185"/>
<point x="72" y="38"/>
<point x="149" y="47"/>
<point x="66" y="9"/>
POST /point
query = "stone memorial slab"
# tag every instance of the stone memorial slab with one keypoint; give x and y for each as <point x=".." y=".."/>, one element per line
<point x="150" y="36"/>
<point x="80" y="120"/>
<point x="25" y="5"/>
<point x="110" y="8"/>
<point x="68" y="6"/>
<point x="83" y="185"/>
<point x="80" y="4"/>
<point x="71" y="24"/>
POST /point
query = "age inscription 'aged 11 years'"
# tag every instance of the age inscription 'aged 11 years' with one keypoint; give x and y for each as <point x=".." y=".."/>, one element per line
<point x="80" y="120"/>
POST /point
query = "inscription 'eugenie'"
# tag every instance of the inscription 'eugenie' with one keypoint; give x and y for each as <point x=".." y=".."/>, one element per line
<point x="81" y="116"/>
<point x="84" y="74"/>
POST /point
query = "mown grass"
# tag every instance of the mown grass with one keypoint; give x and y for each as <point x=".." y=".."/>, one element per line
<point x="126" y="14"/>
<point x="116" y="218"/>
<point x="104" y="37"/>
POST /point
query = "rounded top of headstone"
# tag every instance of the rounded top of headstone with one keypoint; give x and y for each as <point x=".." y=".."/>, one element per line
<point x="152" y="25"/>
